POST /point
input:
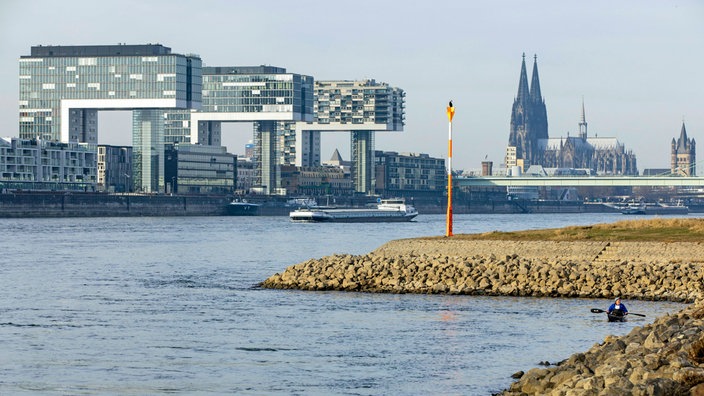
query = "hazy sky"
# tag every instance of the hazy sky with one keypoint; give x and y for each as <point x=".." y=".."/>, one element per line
<point x="639" y="65"/>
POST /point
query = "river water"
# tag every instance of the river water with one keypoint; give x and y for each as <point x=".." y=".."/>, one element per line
<point x="169" y="305"/>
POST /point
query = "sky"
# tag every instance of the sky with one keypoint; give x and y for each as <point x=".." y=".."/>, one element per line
<point x="638" y="65"/>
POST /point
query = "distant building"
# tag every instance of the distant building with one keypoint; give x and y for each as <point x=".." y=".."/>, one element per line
<point x="114" y="168"/>
<point x="409" y="174"/>
<point x="683" y="156"/>
<point x="272" y="99"/>
<point x="246" y="175"/>
<point x="316" y="181"/>
<point x="197" y="169"/>
<point x="487" y="168"/>
<point x="34" y="164"/>
<point x="249" y="150"/>
<point x="360" y="108"/>
<point x="529" y="135"/>
<point x="657" y="172"/>
<point x="62" y="88"/>
<point x="337" y="161"/>
<point x="510" y="159"/>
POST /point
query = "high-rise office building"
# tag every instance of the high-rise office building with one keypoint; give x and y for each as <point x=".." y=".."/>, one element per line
<point x="62" y="88"/>
<point x="268" y="96"/>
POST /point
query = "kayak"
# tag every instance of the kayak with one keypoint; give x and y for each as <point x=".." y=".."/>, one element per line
<point x="616" y="318"/>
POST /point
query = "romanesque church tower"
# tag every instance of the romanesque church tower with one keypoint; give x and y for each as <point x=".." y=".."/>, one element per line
<point x="683" y="159"/>
<point x="529" y="119"/>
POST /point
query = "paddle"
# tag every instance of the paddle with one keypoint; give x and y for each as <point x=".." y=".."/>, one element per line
<point x="597" y="310"/>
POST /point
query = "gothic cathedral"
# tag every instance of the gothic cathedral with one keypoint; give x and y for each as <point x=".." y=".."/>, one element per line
<point x="529" y="137"/>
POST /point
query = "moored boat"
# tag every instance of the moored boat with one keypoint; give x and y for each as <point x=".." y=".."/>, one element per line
<point x="634" y="209"/>
<point x="643" y="208"/>
<point x="242" y="208"/>
<point x="388" y="210"/>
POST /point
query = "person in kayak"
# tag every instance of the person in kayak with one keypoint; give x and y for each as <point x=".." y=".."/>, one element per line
<point x="617" y="308"/>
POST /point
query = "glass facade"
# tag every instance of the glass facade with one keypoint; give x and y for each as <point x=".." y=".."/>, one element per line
<point x="53" y="79"/>
<point x="197" y="169"/>
<point x="261" y="89"/>
<point x="177" y="126"/>
<point x="63" y="87"/>
<point x="148" y="150"/>
<point x="266" y="95"/>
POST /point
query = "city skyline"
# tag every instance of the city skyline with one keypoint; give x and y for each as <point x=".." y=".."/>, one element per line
<point x="635" y="64"/>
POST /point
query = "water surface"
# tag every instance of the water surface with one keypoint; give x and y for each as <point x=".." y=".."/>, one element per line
<point x="170" y="305"/>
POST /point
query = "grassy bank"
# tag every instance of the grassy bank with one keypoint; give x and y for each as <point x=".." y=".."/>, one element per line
<point x="655" y="230"/>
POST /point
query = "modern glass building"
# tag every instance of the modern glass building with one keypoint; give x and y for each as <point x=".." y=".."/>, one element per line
<point x="114" y="168"/>
<point x="264" y="95"/>
<point x="63" y="87"/>
<point x="198" y="169"/>
<point x="359" y="107"/>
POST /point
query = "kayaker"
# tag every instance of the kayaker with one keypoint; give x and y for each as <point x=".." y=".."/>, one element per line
<point x="617" y="308"/>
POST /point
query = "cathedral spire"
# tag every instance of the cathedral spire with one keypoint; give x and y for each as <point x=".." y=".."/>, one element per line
<point x="523" y="92"/>
<point x="535" y="94"/>
<point x="583" y="123"/>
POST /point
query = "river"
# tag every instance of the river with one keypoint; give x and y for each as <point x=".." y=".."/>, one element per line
<point x="169" y="305"/>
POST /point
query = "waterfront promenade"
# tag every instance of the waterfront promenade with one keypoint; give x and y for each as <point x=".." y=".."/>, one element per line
<point x="665" y="357"/>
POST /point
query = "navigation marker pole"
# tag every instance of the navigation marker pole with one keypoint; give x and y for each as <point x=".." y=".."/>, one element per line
<point x="450" y="114"/>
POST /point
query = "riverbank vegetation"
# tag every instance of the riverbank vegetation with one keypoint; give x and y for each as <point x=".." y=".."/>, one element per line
<point x="652" y="230"/>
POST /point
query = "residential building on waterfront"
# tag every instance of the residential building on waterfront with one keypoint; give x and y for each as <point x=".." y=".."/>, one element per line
<point x="114" y="168"/>
<point x="683" y="155"/>
<point x="316" y="181"/>
<point x="35" y="164"/>
<point x="529" y="136"/>
<point x="360" y="108"/>
<point x="199" y="169"/>
<point x="62" y="88"/>
<point x="409" y="174"/>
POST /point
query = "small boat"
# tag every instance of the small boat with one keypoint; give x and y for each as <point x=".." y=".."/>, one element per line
<point x="616" y="318"/>
<point x="302" y="202"/>
<point x="642" y="208"/>
<point x="388" y="210"/>
<point x="242" y="208"/>
<point x="634" y="209"/>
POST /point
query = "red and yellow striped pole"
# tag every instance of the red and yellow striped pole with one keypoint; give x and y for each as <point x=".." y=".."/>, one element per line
<point x="450" y="114"/>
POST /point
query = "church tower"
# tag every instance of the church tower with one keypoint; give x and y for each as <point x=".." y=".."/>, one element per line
<point x="583" y="124"/>
<point x="529" y="121"/>
<point x="683" y="158"/>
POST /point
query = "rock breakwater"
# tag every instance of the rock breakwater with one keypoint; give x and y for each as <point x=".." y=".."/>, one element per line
<point x="634" y="270"/>
<point x="663" y="358"/>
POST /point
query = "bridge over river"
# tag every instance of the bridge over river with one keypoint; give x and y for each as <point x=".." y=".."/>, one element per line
<point x="581" y="181"/>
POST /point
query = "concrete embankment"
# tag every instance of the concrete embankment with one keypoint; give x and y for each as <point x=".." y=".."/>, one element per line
<point x="664" y="358"/>
<point x="61" y="204"/>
